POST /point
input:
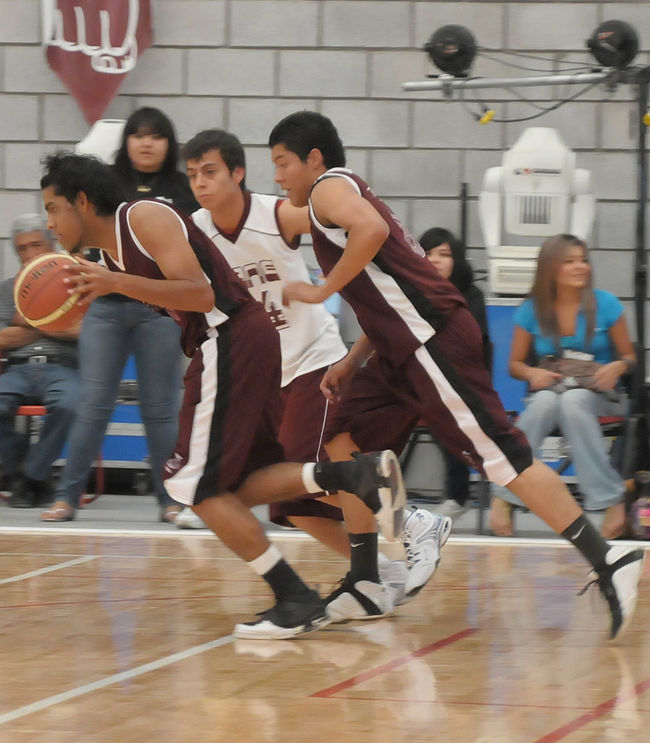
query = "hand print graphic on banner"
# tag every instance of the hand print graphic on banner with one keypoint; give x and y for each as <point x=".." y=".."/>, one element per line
<point x="93" y="44"/>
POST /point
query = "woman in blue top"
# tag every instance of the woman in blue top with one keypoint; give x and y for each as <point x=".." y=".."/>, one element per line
<point x="564" y="313"/>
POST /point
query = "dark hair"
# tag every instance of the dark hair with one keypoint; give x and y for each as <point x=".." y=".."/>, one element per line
<point x="69" y="174"/>
<point x="462" y="274"/>
<point x="229" y="146"/>
<point x="544" y="289"/>
<point x="149" y="121"/>
<point x="304" y="131"/>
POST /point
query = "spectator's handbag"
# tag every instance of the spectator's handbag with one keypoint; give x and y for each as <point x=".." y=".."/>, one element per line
<point x="577" y="370"/>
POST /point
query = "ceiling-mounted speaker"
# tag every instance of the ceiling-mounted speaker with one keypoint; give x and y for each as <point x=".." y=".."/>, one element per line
<point x="452" y="50"/>
<point x="614" y="44"/>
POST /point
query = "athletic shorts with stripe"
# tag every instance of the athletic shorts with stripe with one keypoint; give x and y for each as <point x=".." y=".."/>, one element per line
<point x="445" y="385"/>
<point x="303" y="415"/>
<point x="230" y="415"/>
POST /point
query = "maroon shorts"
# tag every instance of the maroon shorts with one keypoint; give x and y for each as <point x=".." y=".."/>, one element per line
<point x="371" y="413"/>
<point x="446" y="385"/>
<point x="303" y="413"/>
<point x="230" y="416"/>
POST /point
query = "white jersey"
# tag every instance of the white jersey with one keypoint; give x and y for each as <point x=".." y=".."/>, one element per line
<point x="260" y="256"/>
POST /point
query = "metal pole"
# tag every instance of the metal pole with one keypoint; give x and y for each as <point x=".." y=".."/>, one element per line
<point x="449" y="82"/>
<point x="641" y="263"/>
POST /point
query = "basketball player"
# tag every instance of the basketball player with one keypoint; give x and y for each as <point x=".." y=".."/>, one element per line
<point x="428" y="345"/>
<point x="227" y="458"/>
<point x="259" y="235"/>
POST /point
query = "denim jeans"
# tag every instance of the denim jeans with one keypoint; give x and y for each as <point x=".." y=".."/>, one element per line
<point x="575" y="412"/>
<point x="52" y="385"/>
<point x="111" y="330"/>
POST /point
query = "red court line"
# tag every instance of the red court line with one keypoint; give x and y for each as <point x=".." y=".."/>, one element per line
<point x="325" y="693"/>
<point x="595" y="713"/>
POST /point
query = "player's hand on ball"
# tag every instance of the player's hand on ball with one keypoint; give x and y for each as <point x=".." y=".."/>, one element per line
<point x="90" y="280"/>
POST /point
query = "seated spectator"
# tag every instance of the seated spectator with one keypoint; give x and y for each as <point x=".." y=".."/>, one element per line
<point x="115" y="326"/>
<point x="564" y="317"/>
<point x="38" y="369"/>
<point x="447" y="254"/>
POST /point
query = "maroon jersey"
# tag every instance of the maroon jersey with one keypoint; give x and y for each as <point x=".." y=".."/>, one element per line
<point x="230" y="293"/>
<point x="400" y="299"/>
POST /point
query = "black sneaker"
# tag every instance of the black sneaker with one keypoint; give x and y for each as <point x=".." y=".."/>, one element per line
<point x="618" y="583"/>
<point x="288" y="618"/>
<point x="381" y="488"/>
<point x="22" y="495"/>
<point x="362" y="599"/>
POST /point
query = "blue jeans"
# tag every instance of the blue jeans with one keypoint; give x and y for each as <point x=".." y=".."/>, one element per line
<point x="575" y="412"/>
<point x="111" y="330"/>
<point x="52" y="385"/>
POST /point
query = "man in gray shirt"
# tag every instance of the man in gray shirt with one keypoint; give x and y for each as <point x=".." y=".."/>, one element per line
<point x="37" y="369"/>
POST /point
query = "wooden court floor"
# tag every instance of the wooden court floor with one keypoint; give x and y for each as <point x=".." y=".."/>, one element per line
<point x="113" y="638"/>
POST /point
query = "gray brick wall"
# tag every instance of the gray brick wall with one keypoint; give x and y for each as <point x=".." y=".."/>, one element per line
<point x="243" y="64"/>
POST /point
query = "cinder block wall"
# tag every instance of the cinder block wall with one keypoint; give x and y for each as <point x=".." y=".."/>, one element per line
<point x="243" y="64"/>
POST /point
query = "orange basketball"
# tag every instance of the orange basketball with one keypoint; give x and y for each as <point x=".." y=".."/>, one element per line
<point x="42" y="298"/>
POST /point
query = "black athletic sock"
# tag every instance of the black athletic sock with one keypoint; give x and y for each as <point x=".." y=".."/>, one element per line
<point x="346" y="476"/>
<point x="582" y="534"/>
<point x="284" y="581"/>
<point x="363" y="559"/>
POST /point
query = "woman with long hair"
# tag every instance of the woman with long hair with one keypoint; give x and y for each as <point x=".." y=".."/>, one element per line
<point x="564" y="317"/>
<point x="147" y="161"/>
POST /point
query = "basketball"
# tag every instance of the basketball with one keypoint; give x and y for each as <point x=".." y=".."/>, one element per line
<point x="42" y="298"/>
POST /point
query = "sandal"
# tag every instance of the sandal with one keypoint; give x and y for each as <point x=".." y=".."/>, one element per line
<point x="59" y="511"/>
<point x="500" y="520"/>
<point x="168" y="515"/>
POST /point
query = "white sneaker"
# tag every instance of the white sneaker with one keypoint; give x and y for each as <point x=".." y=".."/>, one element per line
<point x="187" y="519"/>
<point x="393" y="574"/>
<point x="361" y="600"/>
<point x="618" y="583"/>
<point x="423" y="537"/>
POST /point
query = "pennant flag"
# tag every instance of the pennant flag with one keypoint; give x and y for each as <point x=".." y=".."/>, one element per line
<point x="92" y="45"/>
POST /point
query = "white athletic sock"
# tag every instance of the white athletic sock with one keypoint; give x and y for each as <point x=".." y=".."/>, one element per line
<point x="266" y="561"/>
<point x="311" y="486"/>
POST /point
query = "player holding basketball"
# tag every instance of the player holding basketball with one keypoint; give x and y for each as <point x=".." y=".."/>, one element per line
<point x="428" y="345"/>
<point x="227" y="458"/>
<point x="259" y="235"/>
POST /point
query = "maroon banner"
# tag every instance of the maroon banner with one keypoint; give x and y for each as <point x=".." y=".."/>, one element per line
<point x="92" y="45"/>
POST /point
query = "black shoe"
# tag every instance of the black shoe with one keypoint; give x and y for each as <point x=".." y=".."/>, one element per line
<point x="381" y="488"/>
<point x="43" y="492"/>
<point x="22" y="496"/>
<point x="288" y="618"/>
